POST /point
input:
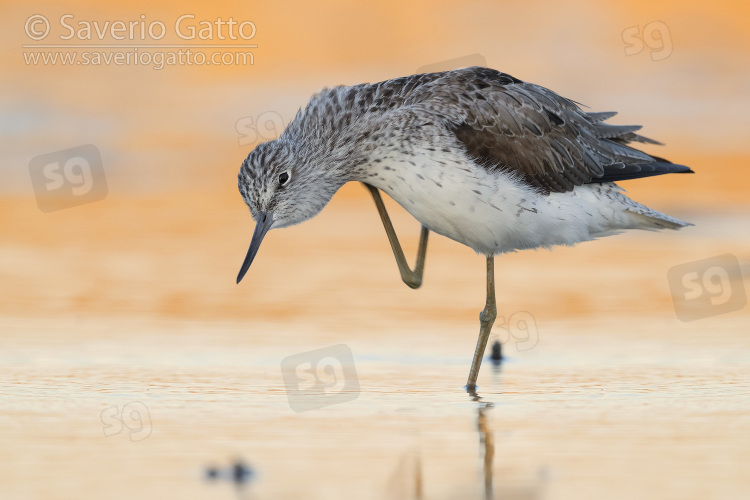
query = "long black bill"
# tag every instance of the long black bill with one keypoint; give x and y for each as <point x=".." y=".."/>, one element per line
<point x="261" y="228"/>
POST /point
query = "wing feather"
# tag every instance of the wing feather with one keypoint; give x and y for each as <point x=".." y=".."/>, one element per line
<point x="546" y="139"/>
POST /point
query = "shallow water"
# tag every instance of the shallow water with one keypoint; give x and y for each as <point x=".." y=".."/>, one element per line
<point x="586" y="413"/>
<point x="126" y="375"/>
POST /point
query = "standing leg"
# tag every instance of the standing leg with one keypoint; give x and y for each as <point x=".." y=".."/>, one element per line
<point x="486" y="319"/>
<point x="413" y="279"/>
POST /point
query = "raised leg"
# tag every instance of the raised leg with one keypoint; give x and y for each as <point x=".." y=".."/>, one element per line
<point x="413" y="279"/>
<point x="486" y="319"/>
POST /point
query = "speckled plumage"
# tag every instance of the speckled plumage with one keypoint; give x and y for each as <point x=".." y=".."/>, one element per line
<point x="474" y="154"/>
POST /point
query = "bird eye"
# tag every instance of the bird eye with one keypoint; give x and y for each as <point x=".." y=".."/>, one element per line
<point x="283" y="178"/>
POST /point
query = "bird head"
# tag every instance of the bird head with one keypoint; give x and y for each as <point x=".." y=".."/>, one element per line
<point x="282" y="188"/>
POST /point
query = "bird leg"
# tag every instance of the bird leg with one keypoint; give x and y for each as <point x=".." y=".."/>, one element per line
<point x="413" y="279"/>
<point x="486" y="319"/>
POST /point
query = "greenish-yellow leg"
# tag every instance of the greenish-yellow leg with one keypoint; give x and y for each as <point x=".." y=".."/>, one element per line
<point x="486" y="319"/>
<point x="412" y="278"/>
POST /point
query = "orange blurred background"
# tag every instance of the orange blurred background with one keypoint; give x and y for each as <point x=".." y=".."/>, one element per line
<point x="132" y="298"/>
<point x="172" y="230"/>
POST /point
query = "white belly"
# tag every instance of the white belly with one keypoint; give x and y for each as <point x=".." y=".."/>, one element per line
<point x="493" y="213"/>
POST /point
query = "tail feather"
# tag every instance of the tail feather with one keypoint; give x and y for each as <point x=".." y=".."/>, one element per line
<point x="652" y="220"/>
<point x="623" y="172"/>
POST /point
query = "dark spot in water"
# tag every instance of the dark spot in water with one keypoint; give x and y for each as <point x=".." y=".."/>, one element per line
<point x="241" y="473"/>
<point x="238" y="473"/>
<point x="497" y="352"/>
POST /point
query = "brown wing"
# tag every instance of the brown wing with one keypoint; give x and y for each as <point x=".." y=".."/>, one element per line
<point x="544" y="138"/>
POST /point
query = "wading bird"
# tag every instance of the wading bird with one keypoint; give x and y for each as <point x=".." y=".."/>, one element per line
<point x="473" y="154"/>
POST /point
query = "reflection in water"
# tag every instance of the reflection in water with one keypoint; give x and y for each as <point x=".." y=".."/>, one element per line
<point x="487" y="442"/>
<point x="486" y="438"/>
<point x="238" y="473"/>
<point x="406" y="482"/>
